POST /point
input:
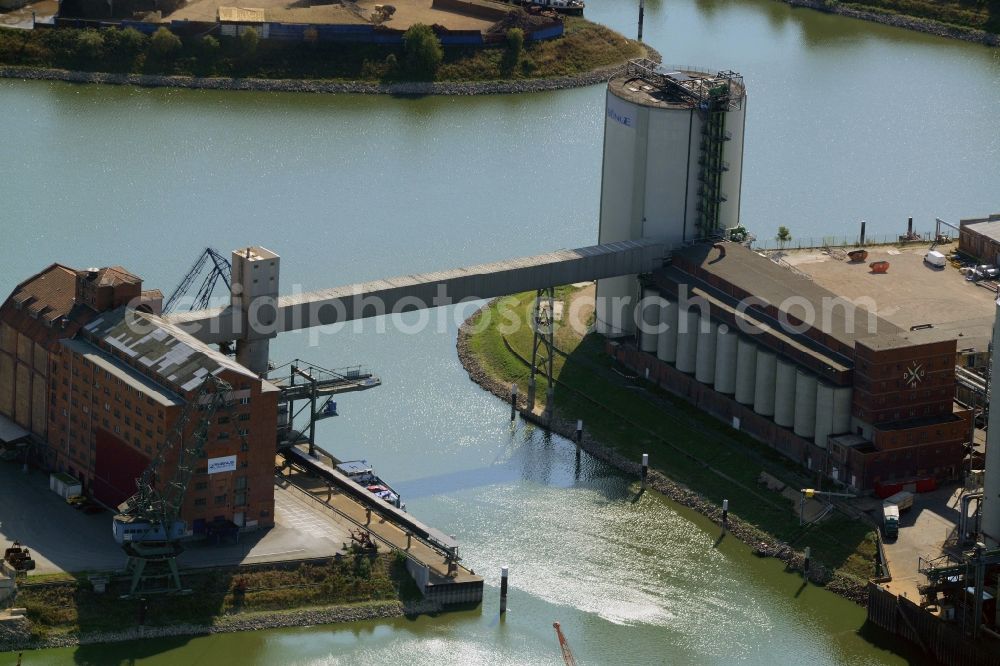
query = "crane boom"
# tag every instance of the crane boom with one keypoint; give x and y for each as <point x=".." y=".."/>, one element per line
<point x="221" y="269"/>
<point x="567" y="654"/>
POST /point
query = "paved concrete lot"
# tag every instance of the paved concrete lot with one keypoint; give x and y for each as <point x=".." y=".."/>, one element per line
<point x="923" y="529"/>
<point x="910" y="294"/>
<point x="64" y="539"/>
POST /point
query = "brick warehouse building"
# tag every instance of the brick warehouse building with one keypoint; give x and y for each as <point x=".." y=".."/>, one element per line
<point x="99" y="386"/>
<point x="845" y="393"/>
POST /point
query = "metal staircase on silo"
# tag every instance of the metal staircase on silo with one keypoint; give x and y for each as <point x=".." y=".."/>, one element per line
<point x="716" y="101"/>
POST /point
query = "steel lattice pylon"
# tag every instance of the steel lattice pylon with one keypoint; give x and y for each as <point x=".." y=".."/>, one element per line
<point x="543" y="347"/>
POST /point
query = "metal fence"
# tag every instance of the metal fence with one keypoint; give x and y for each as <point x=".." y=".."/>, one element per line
<point x="840" y="241"/>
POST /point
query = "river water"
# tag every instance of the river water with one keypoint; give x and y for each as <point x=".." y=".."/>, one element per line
<point x="847" y="120"/>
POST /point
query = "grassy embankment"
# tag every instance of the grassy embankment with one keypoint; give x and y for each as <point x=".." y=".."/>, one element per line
<point x="585" y="47"/>
<point x="976" y="14"/>
<point x="634" y="416"/>
<point x="63" y="604"/>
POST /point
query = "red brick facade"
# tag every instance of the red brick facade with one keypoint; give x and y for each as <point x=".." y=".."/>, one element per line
<point x="103" y="415"/>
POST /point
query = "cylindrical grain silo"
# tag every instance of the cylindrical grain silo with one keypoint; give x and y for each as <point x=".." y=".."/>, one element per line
<point x="805" y="405"/>
<point x="763" y="396"/>
<point x="649" y="316"/>
<point x="673" y="161"/>
<point x="725" y="360"/>
<point x="824" y="414"/>
<point x="842" y="396"/>
<point x="666" y="343"/>
<point x="991" y="477"/>
<point x="704" y="370"/>
<point x="746" y="371"/>
<point x="784" y="393"/>
<point x="687" y="340"/>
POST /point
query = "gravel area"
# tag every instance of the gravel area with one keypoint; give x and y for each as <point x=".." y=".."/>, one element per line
<point x="764" y="544"/>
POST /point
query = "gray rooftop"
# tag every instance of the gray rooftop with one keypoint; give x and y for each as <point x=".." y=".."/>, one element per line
<point x="151" y="342"/>
<point x="989" y="228"/>
<point x="836" y="316"/>
<point x="130" y="376"/>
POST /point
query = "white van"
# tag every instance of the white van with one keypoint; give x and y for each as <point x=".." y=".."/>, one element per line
<point x="936" y="259"/>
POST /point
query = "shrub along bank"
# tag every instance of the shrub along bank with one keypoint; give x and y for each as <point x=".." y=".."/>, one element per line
<point x="583" y="48"/>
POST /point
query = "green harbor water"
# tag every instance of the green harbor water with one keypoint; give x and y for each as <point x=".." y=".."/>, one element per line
<point x="847" y="120"/>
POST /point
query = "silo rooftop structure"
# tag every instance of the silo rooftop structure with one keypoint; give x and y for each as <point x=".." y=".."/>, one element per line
<point x="673" y="156"/>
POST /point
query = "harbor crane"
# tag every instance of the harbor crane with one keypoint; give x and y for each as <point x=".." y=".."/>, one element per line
<point x="567" y="654"/>
<point x="219" y="268"/>
<point x="148" y="524"/>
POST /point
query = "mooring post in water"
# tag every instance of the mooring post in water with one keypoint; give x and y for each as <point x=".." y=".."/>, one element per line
<point x="503" y="589"/>
<point x="579" y="431"/>
<point x="645" y="469"/>
<point x="805" y="564"/>
<point x="862" y="241"/>
<point x="725" y="515"/>
<point x="513" y="401"/>
<point x="642" y="10"/>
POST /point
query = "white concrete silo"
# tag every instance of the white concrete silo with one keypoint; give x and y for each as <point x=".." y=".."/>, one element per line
<point x="805" y="405"/>
<point x="842" y="396"/>
<point x="649" y="315"/>
<point x="746" y="371"/>
<point x="672" y="169"/>
<point x="763" y="396"/>
<point x="687" y="340"/>
<point x="991" y="478"/>
<point x="666" y="343"/>
<point x="784" y="393"/>
<point x="824" y="414"/>
<point x="725" y="360"/>
<point x="704" y="370"/>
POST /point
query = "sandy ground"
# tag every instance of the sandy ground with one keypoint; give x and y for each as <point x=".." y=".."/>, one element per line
<point x="407" y="13"/>
<point x="21" y="18"/>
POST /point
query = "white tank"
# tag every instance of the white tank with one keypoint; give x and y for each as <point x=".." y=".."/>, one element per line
<point x="805" y="405"/>
<point x="763" y="395"/>
<point x="991" y="478"/>
<point x="725" y="360"/>
<point x="704" y="370"/>
<point x="784" y="393"/>
<point x="824" y="413"/>
<point x="687" y="340"/>
<point x="649" y="315"/>
<point x="614" y="304"/>
<point x="670" y="170"/>
<point x="666" y="344"/>
<point x="746" y="371"/>
<point x="842" y="396"/>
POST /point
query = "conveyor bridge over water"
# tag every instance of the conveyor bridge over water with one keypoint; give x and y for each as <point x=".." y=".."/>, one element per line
<point x="428" y="290"/>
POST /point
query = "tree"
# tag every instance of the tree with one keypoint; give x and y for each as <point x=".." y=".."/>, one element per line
<point x="164" y="44"/>
<point x="423" y="52"/>
<point x="249" y="41"/>
<point x="90" y="45"/>
<point x="209" y="46"/>
<point x="515" y="47"/>
<point x="784" y="235"/>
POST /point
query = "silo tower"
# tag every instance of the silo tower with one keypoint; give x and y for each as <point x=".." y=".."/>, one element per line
<point x="673" y="158"/>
